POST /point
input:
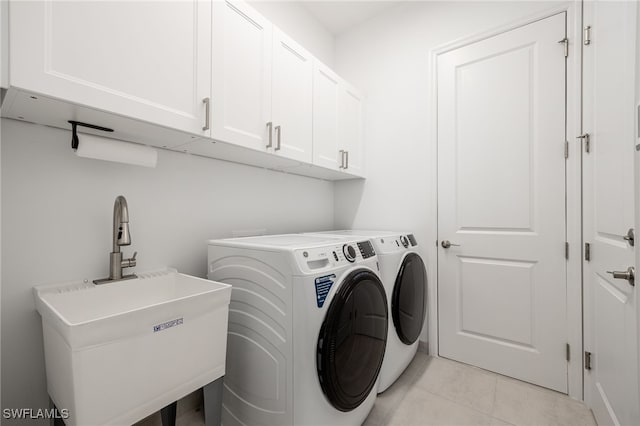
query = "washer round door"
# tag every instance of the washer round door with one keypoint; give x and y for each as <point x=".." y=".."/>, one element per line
<point x="352" y="340"/>
<point x="408" y="303"/>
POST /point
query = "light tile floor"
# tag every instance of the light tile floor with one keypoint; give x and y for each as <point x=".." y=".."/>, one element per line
<point x="187" y="417"/>
<point x="440" y="392"/>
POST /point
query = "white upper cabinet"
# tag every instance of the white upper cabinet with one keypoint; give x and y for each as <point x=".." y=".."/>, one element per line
<point x="150" y="61"/>
<point x="350" y="130"/>
<point x="242" y="58"/>
<point x="262" y="84"/>
<point x="209" y="77"/>
<point x="326" y="93"/>
<point x="292" y="99"/>
<point x="337" y="123"/>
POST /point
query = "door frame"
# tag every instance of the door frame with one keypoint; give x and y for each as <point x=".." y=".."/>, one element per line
<point x="637" y="172"/>
<point x="573" y="219"/>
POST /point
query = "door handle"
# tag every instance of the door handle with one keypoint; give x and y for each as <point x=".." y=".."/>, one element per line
<point x="346" y="161"/>
<point x="341" y="159"/>
<point x="630" y="237"/>
<point x="629" y="275"/>
<point x="446" y="244"/>
<point x="270" y="128"/>
<point x="207" y="113"/>
<point x="587" y="141"/>
<point x="278" y="134"/>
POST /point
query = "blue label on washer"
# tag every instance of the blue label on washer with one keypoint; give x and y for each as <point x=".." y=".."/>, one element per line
<point x="323" y="285"/>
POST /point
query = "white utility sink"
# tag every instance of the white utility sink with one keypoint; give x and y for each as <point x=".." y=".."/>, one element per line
<point x="119" y="351"/>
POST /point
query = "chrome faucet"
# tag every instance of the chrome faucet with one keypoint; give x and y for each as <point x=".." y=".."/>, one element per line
<point x="121" y="237"/>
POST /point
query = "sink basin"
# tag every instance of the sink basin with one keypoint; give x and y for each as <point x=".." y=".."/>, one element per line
<point x="120" y="351"/>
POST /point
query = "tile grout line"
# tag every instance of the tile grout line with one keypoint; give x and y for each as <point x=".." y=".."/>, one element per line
<point x="414" y="383"/>
<point x="385" y="423"/>
<point x="389" y="413"/>
<point x="410" y="385"/>
<point x="495" y="397"/>
<point x="456" y="402"/>
<point x="494" y="376"/>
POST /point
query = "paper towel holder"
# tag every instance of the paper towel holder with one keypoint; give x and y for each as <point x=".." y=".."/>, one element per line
<point x="74" y="131"/>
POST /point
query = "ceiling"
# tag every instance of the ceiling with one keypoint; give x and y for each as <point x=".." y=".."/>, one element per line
<point x="339" y="16"/>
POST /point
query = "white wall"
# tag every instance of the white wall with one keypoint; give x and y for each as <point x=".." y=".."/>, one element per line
<point x="388" y="58"/>
<point x="296" y="21"/>
<point x="57" y="217"/>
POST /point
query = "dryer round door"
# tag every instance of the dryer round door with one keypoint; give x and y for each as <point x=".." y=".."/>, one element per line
<point x="408" y="302"/>
<point x="352" y="340"/>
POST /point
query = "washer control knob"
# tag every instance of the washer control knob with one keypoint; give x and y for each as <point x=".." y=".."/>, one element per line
<point x="349" y="252"/>
<point x="404" y="241"/>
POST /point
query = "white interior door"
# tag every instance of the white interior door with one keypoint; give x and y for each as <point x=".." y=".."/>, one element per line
<point x="241" y="101"/>
<point x="501" y="197"/>
<point x="292" y="98"/>
<point x="610" y="305"/>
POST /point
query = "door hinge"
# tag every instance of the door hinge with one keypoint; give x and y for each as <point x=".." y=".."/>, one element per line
<point x="566" y="250"/>
<point x="587" y="35"/>
<point x="587" y="252"/>
<point x="587" y="360"/>
<point x="587" y="141"/>
<point x="566" y="149"/>
<point x="568" y="353"/>
<point x="565" y="41"/>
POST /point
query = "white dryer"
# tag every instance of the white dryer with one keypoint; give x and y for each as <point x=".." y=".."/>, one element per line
<point x="405" y="280"/>
<point x="308" y="323"/>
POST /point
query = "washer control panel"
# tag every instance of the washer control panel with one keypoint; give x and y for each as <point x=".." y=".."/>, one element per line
<point x="319" y="258"/>
<point x="366" y="249"/>
<point x="349" y="252"/>
<point x="393" y="244"/>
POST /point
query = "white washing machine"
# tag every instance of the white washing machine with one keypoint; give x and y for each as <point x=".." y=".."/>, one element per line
<point x="308" y="323"/>
<point x="405" y="280"/>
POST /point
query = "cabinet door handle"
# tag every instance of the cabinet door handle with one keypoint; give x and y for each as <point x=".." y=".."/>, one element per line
<point x="341" y="159"/>
<point x="346" y="163"/>
<point x="270" y="129"/>
<point x="278" y="135"/>
<point x="587" y="35"/>
<point x="207" y="110"/>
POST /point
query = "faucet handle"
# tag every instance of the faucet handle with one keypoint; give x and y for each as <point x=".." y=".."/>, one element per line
<point x="131" y="262"/>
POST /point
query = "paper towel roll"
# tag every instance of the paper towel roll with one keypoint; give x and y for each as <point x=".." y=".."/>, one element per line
<point x="91" y="146"/>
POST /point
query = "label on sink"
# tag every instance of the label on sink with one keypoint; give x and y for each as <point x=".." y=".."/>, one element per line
<point x="168" y="324"/>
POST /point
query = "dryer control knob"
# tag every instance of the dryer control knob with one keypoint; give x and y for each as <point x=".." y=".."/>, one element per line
<point x="349" y="252"/>
<point x="404" y="241"/>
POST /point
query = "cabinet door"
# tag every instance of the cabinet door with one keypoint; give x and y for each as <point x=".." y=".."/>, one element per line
<point x="241" y="101"/>
<point x="326" y="93"/>
<point x="146" y="60"/>
<point x="292" y="98"/>
<point x="350" y="129"/>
